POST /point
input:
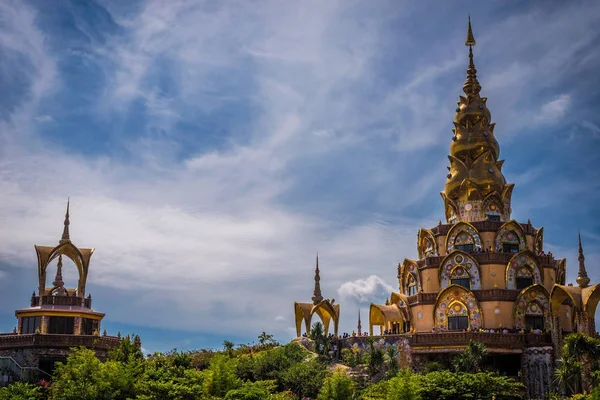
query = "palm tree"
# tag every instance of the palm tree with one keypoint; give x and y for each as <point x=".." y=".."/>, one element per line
<point x="472" y="359"/>
<point x="391" y="359"/>
<point x="567" y="375"/>
<point x="317" y="334"/>
<point x="584" y="350"/>
<point x="228" y="347"/>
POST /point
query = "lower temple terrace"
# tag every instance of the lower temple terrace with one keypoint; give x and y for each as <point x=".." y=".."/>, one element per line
<point x="481" y="276"/>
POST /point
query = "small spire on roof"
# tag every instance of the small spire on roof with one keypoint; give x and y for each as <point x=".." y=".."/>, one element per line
<point x="317" y="297"/>
<point x="359" y="324"/>
<point x="58" y="283"/>
<point x="582" y="277"/>
<point x="66" y="238"/>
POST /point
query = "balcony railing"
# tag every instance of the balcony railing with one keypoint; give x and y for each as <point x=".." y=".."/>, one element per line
<point x="15" y="341"/>
<point x="502" y="340"/>
<point x="62" y="301"/>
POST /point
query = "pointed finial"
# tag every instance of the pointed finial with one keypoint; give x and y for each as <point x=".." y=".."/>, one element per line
<point x="65" y="236"/>
<point x="471" y="86"/>
<point x="317" y="297"/>
<point x="582" y="278"/>
<point x="470" y="38"/>
<point x="359" y="324"/>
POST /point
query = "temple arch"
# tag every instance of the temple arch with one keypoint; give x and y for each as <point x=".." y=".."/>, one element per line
<point x="452" y="302"/>
<point x="532" y="309"/>
<point x="510" y="238"/>
<point x="426" y="244"/>
<point x="388" y="317"/>
<point x="410" y="279"/>
<point x="459" y="265"/>
<point x="492" y="207"/>
<point x="521" y="266"/>
<point x="325" y="309"/>
<point x="463" y="236"/>
<point x="591" y="298"/>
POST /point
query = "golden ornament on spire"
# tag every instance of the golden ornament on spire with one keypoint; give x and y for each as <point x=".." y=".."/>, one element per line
<point x="66" y="238"/>
<point x="476" y="189"/>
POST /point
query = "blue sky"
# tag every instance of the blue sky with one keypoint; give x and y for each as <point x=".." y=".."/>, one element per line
<point x="210" y="149"/>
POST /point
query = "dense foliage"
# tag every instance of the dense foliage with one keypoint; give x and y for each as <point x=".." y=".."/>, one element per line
<point x="268" y="371"/>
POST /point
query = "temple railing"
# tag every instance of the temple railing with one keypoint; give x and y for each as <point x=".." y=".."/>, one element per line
<point x="15" y="341"/>
<point x="61" y="301"/>
<point x="441" y="339"/>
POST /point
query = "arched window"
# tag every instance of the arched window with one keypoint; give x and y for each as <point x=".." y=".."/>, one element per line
<point x="463" y="236"/>
<point x="411" y="285"/>
<point x="511" y="243"/>
<point x="429" y="248"/>
<point x="534" y="316"/>
<point x="524" y="278"/>
<point x="461" y="277"/>
<point x="458" y="317"/>
<point x="493" y="212"/>
<point x="464" y="242"/>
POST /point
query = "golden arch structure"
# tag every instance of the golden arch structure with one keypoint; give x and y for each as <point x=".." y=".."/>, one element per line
<point x="326" y="311"/>
<point x="390" y="317"/>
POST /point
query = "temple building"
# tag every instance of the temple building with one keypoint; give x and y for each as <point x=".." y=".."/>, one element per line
<point x="483" y="276"/>
<point x="58" y="318"/>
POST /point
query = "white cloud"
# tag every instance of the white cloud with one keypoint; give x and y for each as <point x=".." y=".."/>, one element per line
<point x="365" y="291"/>
<point x="555" y="110"/>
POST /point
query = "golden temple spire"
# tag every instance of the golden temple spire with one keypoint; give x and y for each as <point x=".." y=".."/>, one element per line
<point x="359" y="324"/>
<point x="471" y="86"/>
<point x="317" y="297"/>
<point x="582" y="278"/>
<point x="65" y="236"/>
<point x="58" y="280"/>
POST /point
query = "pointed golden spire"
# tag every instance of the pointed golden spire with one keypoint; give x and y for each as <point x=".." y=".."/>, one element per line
<point x="582" y="278"/>
<point x="471" y="86"/>
<point x="65" y="236"/>
<point x="359" y="324"/>
<point x="58" y="280"/>
<point x="317" y="297"/>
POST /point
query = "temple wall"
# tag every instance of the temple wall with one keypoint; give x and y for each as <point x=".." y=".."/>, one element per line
<point x="504" y="319"/>
<point x="549" y="278"/>
<point x="529" y="242"/>
<point x="566" y="318"/>
<point x="431" y="280"/>
<point x="425" y="323"/>
<point x="536" y="365"/>
<point x="441" y="243"/>
<point x="487" y="239"/>
<point x="493" y="274"/>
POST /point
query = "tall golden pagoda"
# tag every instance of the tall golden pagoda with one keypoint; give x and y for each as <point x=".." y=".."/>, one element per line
<point x="483" y="276"/>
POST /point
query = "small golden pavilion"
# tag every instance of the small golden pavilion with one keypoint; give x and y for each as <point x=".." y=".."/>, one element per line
<point x="58" y="317"/>
<point x="482" y="275"/>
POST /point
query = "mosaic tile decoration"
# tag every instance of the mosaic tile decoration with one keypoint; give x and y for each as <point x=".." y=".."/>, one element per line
<point x="463" y="233"/>
<point x="515" y="267"/>
<point x="445" y="307"/>
<point x="510" y="233"/>
<point x="532" y="301"/>
<point x="460" y="265"/>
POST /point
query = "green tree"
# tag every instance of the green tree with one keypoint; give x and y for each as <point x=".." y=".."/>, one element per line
<point x="264" y="339"/>
<point x="337" y="387"/>
<point x="376" y="357"/>
<point x="472" y="359"/>
<point x="391" y="361"/>
<point x="220" y="377"/>
<point x="228" y="347"/>
<point x="84" y="377"/>
<point x="584" y="350"/>
<point x="20" y="391"/>
<point x="304" y="378"/>
<point x="405" y="386"/>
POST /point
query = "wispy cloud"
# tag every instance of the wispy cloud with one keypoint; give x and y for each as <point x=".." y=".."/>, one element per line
<point x="211" y="150"/>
